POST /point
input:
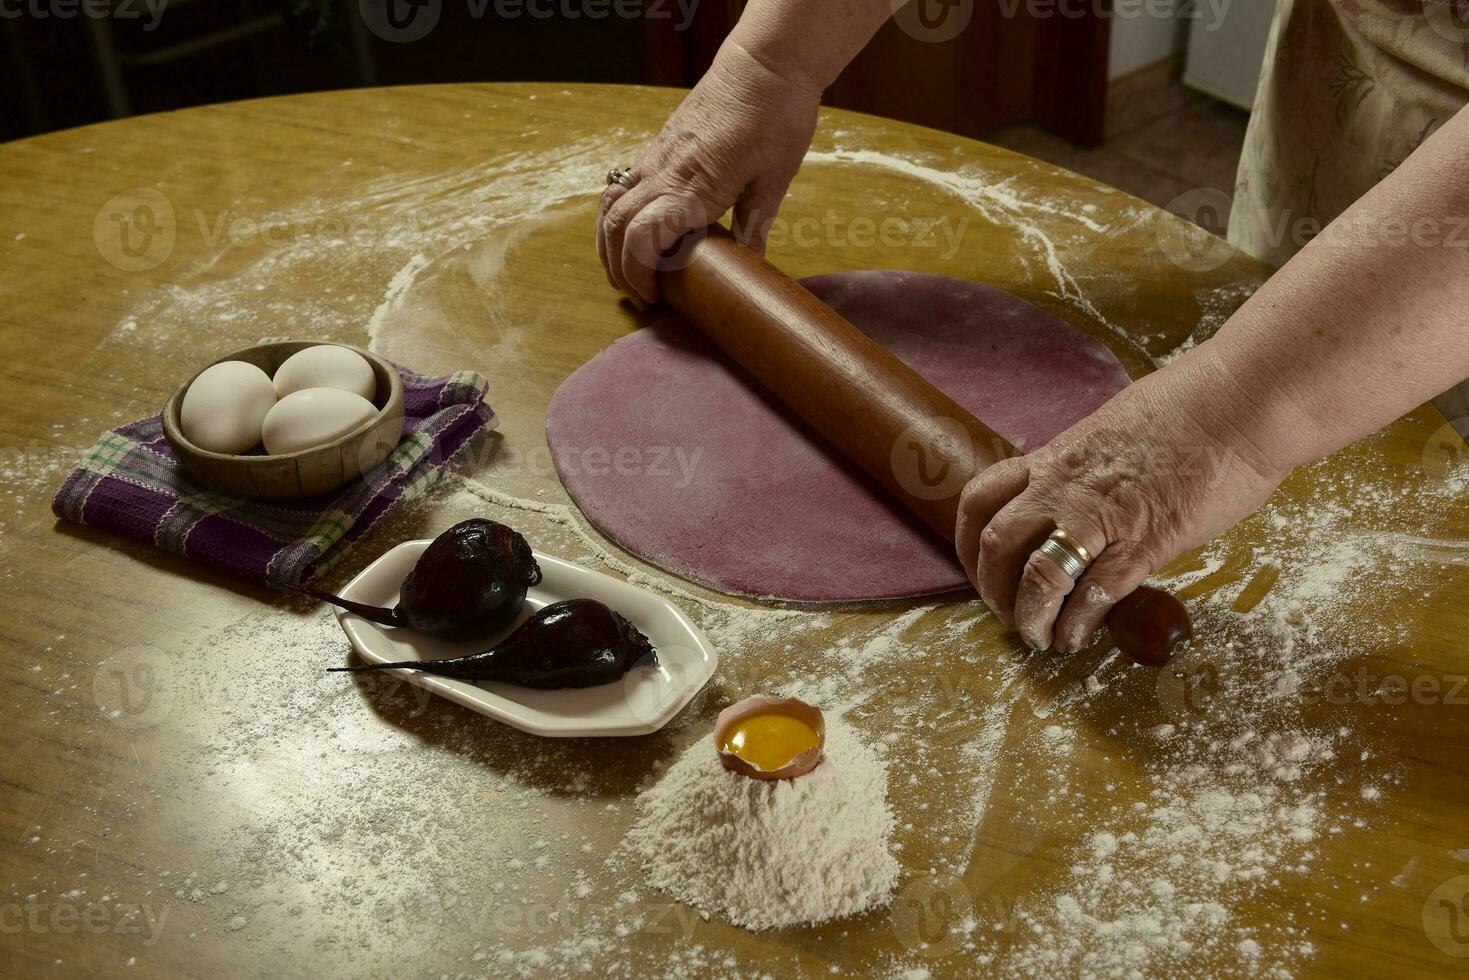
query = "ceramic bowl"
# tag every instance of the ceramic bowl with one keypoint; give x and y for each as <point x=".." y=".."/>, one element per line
<point x="257" y="476"/>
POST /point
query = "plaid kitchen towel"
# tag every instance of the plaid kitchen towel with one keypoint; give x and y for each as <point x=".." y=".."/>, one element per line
<point x="130" y="482"/>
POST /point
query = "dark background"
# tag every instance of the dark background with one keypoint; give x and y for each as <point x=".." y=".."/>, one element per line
<point x="255" y="48"/>
<point x="60" y="67"/>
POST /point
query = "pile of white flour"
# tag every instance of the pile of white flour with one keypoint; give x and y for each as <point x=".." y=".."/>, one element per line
<point x="768" y="854"/>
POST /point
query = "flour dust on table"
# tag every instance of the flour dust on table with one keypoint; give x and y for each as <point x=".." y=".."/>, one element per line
<point x="1246" y="786"/>
<point x="1203" y="812"/>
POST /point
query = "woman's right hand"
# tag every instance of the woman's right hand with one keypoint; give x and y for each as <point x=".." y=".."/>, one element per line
<point x="736" y="140"/>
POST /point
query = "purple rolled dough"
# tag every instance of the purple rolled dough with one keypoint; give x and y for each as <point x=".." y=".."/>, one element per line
<point x="681" y="458"/>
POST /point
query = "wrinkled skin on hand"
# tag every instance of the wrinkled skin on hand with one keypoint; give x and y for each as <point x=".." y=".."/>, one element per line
<point x="736" y="141"/>
<point x="1150" y="475"/>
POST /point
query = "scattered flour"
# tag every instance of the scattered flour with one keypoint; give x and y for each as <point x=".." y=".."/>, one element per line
<point x="397" y="286"/>
<point x="993" y="195"/>
<point x="1241" y="800"/>
<point x="1216" y="305"/>
<point x="1167" y="863"/>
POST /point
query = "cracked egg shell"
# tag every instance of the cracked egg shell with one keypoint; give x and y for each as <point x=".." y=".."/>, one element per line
<point x="763" y="705"/>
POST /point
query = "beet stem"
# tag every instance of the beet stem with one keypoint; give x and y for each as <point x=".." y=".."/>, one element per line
<point x="378" y="614"/>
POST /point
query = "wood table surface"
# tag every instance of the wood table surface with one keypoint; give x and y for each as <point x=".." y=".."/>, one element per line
<point x="185" y="792"/>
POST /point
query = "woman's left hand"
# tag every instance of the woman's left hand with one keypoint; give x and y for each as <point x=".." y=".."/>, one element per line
<point x="1161" y="468"/>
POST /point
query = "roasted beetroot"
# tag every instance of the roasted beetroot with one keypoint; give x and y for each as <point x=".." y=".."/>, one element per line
<point x="469" y="582"/>
<point x="572" y="643"/>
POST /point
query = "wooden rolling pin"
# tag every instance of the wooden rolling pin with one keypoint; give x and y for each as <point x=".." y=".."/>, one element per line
<point x="874" y="408"/>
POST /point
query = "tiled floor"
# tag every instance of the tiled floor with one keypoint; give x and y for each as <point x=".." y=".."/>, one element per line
<point x="1162" y="139"/>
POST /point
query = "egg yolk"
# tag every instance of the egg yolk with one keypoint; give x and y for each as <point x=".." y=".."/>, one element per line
<point x="769" y="742"/>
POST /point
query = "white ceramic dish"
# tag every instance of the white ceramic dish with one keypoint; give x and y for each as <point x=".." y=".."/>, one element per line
<point x="642" y="702"/>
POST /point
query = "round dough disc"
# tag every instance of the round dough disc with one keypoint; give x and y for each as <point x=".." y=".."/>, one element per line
<point x="678" y="455"/>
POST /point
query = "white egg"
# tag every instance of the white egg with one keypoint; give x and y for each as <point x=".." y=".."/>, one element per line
<point x="313" y="417"/>
<point x="325" y="366"/>
<point x="225" y="405"/>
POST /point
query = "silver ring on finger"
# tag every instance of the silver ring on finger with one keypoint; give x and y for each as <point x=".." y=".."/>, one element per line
<point x="622" y="177"/>
<point x="1067" y="552"/>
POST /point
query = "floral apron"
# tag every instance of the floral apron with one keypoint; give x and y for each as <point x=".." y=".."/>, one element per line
<point x="1350" y="88"/>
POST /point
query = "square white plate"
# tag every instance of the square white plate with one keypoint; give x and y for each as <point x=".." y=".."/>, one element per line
<point x="642" y="702"/>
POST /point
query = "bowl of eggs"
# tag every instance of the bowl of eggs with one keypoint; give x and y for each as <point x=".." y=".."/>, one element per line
<point x="285" y="420"/>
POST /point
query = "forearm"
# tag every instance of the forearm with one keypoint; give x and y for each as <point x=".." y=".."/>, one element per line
<point x="1365" y="323"/>
<point x="806" y="42"/>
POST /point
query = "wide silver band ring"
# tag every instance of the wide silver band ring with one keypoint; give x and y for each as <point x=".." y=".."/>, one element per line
<point x="1064" y="555"/>
<point x="622" y="176"/>
<point x="1071" y="541"/>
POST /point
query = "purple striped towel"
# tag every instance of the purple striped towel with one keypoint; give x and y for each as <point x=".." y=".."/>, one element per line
<point x="130" y="482"/>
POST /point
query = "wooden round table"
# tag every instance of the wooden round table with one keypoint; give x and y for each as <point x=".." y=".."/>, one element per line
<point x="187" y="792"/>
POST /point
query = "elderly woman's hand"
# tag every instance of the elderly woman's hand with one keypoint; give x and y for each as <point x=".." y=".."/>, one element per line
<point x="1161" y="468"/>
<point x="736" y="140"/>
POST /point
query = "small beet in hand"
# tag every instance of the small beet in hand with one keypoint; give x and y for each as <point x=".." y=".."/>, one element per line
<point x="471" y="581"/>
<point x="572" y="643"/>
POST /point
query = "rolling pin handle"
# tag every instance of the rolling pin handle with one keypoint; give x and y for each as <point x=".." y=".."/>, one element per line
<point x="1150" y="626"/>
